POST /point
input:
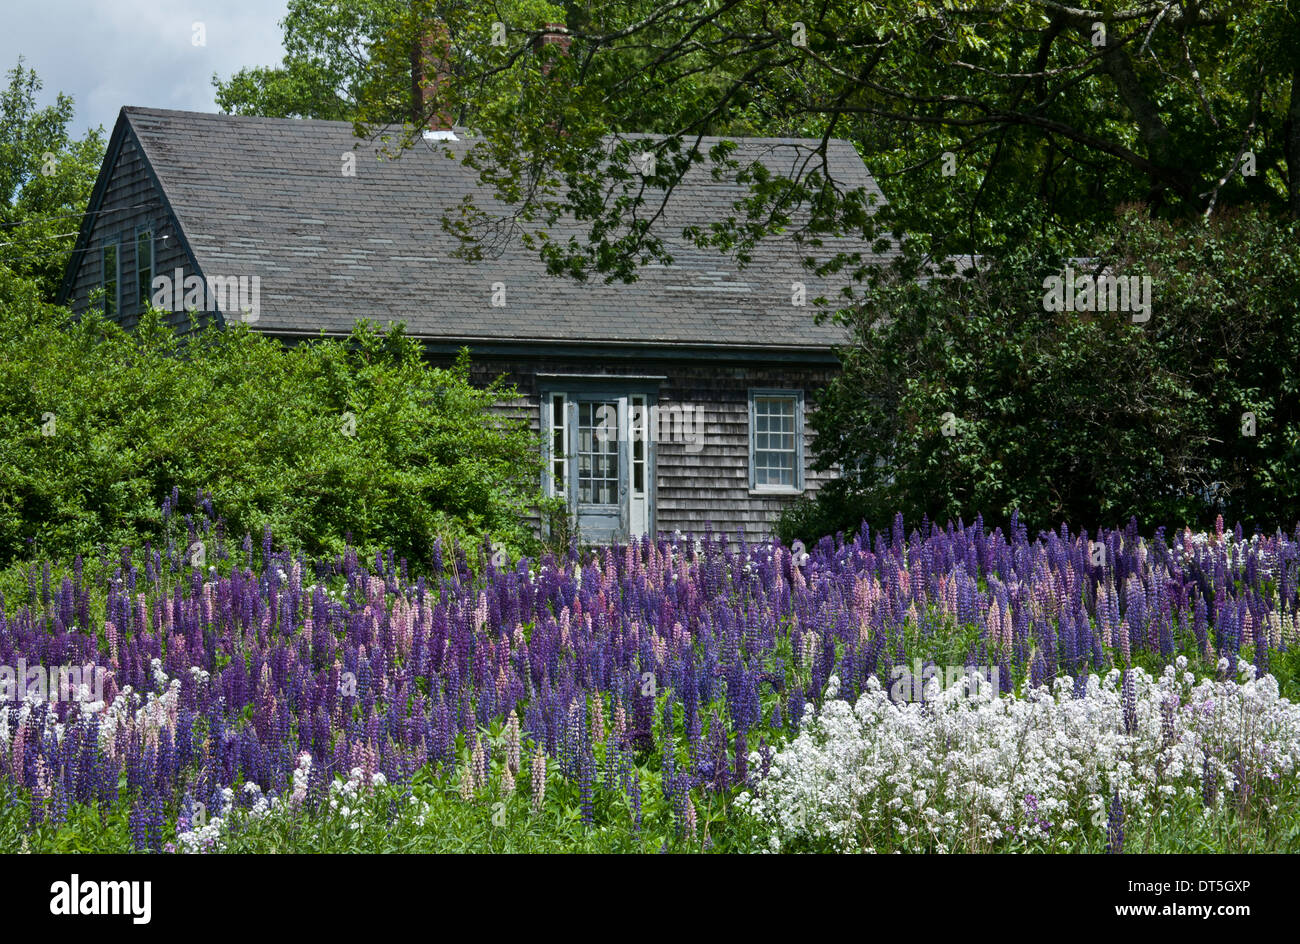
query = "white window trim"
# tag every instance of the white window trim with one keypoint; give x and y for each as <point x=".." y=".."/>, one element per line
<point x="798" y="486"/>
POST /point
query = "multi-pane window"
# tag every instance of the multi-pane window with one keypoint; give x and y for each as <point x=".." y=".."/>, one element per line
<point x="109" y="279"/>
<point x="598" y="452"/>
<point x="559" y="451"/>
<point x="639" y="420"/>
<point x="143" y="266"/>
<point x="776" y="455"/>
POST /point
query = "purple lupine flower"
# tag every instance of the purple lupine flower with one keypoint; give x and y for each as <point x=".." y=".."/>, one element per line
<point x="1115" y="826"/>
<point x="1209" y="782"/>
<point x="138" y="824"/>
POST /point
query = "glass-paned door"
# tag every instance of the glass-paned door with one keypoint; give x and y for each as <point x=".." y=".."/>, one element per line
<point x="598" y="452"/>
<point x="601" y="459"/>
<point x="598" y="467"/>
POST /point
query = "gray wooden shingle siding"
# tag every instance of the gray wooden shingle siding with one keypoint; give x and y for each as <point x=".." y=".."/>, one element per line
<point x="131" y="201"/>
<point x="696" y="491"/>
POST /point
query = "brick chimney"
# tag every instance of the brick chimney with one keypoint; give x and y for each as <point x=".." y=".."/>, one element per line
<point x="553" y="34"/>
<point x="430" y="72"/>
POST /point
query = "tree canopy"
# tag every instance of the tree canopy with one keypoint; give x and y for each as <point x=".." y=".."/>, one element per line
<point x="46" y="178"/>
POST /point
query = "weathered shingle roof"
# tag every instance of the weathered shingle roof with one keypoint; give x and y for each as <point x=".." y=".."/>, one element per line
<point x="266" y="197"/>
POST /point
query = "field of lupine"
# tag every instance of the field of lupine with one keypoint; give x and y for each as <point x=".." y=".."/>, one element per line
<point x="948" y="690"/>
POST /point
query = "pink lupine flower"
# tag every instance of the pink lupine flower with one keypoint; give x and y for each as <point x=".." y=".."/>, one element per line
<point x="369" y="763"/>
<point x="597" y="720"/>
<point x="512" y="742"/>
<point x="478" y="761"/>
<point x="538" y="779"/>
<point x="19" y="749"/>
<point x="110" y="633"/>
<point x="798" y="580"/>
<point x="994" y="620"/>
<point x="41" y="789"/>
<point x="660" y="647"/>
<point x="620" y="720"/>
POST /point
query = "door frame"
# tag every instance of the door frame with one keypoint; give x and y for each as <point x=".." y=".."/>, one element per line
<point x="577" y="387"/>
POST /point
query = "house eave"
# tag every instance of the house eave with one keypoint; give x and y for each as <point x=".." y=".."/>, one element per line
<point x="542" y="348"/>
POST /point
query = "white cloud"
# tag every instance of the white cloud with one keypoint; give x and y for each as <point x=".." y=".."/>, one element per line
<point x="138" y="52"/>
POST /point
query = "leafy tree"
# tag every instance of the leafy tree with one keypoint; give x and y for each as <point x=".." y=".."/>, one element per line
<point x="965" y="112"/>
<point x="345" y="58"/>
<point x="45" y="181"/>
<point x="965" y="395"/>
<point x="326" y="63"/>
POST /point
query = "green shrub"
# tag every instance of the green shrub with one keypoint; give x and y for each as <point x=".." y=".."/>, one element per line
<point x="99" y="425"/>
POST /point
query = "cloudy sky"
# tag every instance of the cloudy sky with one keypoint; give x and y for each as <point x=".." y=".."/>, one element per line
<point x="137" y="52"/>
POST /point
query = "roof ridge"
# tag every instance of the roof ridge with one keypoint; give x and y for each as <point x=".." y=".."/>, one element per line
<point x="630" y="135"/>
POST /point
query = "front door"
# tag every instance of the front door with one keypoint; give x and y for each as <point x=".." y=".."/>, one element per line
<point x="599" y="468"/>
<point x="601" y="461"/>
